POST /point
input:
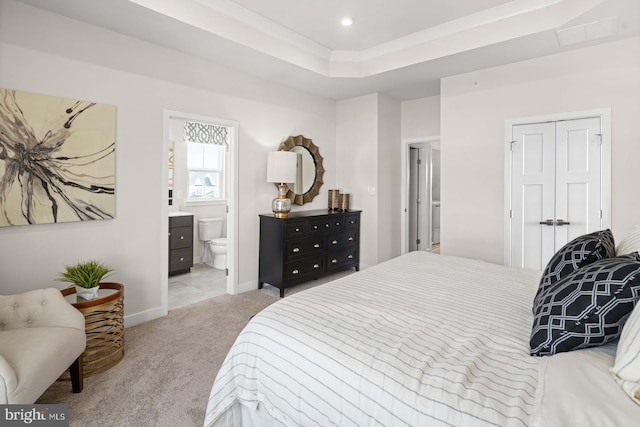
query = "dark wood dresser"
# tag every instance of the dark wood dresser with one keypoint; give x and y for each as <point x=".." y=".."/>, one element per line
<point x="307" y="245"/>
<point x="180" y="243"/>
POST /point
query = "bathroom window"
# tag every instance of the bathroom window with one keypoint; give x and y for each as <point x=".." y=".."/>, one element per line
<point x="207" y="145"/>
<point x="205" y="163"/>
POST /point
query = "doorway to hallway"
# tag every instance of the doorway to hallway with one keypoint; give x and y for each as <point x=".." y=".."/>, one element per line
<point x="420" y="199"/>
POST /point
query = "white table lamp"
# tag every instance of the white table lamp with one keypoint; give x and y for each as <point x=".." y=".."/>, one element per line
<point x="281" y="169"/>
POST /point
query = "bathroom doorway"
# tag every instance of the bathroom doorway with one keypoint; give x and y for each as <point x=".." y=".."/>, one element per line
<point x="204" y="192"/>
<point x="420" y="195"/>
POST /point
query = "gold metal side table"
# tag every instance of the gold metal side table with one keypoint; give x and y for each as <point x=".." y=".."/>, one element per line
<point x="104" y="325"/>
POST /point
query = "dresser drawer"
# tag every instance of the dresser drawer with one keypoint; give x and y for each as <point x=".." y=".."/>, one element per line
<point x="304" y="267"/>
<point x="302" y="247"/>
<point x="337" y="223"/>
<point x="180" y="237"/>
<point x="296" y="229"/>
<point x="338" y="260"/>
<point x="352" y="221"/>
<point x="341" y="240"/>
<point x="180" y="259"/>
<point x="319" y="225"/>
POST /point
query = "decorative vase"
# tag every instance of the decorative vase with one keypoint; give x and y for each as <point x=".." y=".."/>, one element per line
<point x="334" y="196"/>
<point x="87" y="293"/>
<point x="343" y="204"/>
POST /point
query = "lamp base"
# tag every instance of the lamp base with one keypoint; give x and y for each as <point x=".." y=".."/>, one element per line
<point x="281" y="205"/>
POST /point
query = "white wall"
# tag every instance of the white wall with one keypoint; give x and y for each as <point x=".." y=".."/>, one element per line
<point x="388" y="190"/>
<point x="420" y="117"/>
<point x="45" y="53"/>
<point x="474" y="109"/>
<point x="357" y="160"/>
<point x="368" y="167"/>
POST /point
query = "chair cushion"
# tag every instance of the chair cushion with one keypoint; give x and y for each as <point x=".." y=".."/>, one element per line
<point x="8" y="380"/>
<point x="38" y="356"/>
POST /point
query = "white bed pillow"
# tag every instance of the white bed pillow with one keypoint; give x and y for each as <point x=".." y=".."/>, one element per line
<point x="626" y="369"/>
<point x="631" y="243"/>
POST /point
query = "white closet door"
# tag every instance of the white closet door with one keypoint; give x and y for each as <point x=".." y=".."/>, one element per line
<point x="578" y="187"/>
<point x="532" y="193"/>
<point x="555" y="187"/>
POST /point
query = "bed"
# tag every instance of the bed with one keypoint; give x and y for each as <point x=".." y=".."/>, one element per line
<point x="419" y="340"/>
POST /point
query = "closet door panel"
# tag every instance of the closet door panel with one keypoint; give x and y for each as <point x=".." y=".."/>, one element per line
<point x="532" y="194"/>
<point x="578" y="174"/>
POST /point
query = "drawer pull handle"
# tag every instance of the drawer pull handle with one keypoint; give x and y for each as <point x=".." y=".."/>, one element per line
<point x="315" y="227"/>
<point x="181" y="237"/>
<point x="296" y="250"/>
<point x="317" y="245"/>
<point x="297" y="229"/>
<point x="316" y="265"/>
<point x="352" y="222"/>
<point x="326" y="225"/>
<point x="181" y="258"/>
<point x="295" y="271"/>
<point x="350" y="257"/>
<point x="334" y="242"/>
<point x="333" y="261"/>
<point x="351" y="239"/>
<point x="337" y="224"/>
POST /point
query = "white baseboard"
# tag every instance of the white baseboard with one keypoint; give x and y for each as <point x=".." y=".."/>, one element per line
<point x="155" y="313"/>
<point x="143" y="316"/>
<point x="247" y="286"/>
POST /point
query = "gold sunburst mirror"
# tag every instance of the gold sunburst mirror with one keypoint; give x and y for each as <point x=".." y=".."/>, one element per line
<point x="310" y="169"/>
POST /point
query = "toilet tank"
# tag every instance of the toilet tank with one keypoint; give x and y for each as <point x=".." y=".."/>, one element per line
<point x="209" y="228"/>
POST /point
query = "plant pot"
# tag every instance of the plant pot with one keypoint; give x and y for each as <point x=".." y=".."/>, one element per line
<point x="87" y="293"/>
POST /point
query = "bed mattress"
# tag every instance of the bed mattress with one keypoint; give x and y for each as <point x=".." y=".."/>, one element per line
<point x="421" y="339"/>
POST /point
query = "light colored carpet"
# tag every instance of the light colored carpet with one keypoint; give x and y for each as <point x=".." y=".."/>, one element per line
<point x="165" y="377"/>
<point x="168" y="368"/>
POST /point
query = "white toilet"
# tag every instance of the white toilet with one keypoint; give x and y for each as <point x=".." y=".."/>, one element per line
<point x="215" y="247"/>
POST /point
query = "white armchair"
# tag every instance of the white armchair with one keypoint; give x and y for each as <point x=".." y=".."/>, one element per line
<point x="41" y="335"/>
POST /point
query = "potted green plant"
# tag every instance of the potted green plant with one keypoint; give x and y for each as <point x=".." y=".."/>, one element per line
<point x="86" y="277"/>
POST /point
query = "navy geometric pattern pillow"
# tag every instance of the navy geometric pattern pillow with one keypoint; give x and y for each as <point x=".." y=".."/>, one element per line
<point x="581" y="251"/>
<point x="586" y="308"/>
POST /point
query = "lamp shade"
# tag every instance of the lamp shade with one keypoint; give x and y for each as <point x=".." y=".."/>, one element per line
<point x="281" y="166"/>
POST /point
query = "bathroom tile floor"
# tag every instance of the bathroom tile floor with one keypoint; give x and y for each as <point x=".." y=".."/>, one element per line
<point x="203" y="282"/>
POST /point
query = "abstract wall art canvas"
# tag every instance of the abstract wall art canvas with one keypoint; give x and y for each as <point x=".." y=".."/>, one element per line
<point x="57" y="159"/>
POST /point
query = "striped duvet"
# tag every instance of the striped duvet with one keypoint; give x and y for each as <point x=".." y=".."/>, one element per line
<point x="420" y="340"/>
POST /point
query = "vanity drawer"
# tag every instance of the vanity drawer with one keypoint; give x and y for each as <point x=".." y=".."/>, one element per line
<point x="341" y="240"/>
<point x="305" y="267"/>
<point x="304" y="246"/>
<point x="181" y="237"/>
<point x="338" y="260"/>
<point x="180" y="259"/>
<point x="181" y="221"/>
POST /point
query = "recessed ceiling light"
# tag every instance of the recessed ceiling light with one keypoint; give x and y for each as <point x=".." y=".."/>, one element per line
<point x="347" y="21"/>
